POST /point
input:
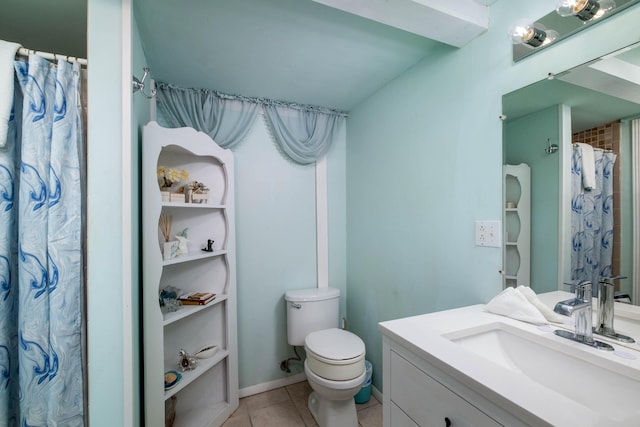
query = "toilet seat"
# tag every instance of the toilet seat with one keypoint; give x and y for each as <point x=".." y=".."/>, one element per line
<point x="335" y="354"/>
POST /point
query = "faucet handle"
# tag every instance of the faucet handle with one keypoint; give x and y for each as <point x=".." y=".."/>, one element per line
<point x="583" y="289"/>
<point x="610" y="280"/>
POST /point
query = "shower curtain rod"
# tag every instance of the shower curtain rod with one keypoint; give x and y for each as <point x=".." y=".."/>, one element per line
<point x="52" y="56"/>
<point x="596" y="148"/>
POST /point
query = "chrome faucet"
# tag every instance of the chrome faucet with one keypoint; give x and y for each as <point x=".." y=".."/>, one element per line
<point x="581" y="306"/>
<point x="604" y="327"/>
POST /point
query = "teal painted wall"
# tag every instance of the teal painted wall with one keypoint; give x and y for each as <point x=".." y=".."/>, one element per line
<point x="424" y="161"/>
<point x="525" y="139"/>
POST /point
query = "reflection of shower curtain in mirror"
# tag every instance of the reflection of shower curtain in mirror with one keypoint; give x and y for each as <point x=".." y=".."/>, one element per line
<point x="41" y="296"/>
<point x="592" y="219"/>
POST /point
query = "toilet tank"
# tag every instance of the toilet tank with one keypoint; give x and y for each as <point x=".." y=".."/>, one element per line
<point x="310" y="310"/>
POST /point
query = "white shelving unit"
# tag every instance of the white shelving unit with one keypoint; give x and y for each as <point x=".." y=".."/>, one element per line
<point x="208" y="394"/>
<point x="516" y="251"/>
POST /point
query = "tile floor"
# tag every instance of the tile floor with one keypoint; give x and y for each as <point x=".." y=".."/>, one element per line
<point x="287" y="407"/>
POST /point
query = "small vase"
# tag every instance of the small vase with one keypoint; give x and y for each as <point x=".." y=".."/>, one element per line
<point x="165" y="195"/>
<point x="170" y="250"/>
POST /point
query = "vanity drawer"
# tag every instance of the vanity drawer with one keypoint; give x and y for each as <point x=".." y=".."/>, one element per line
<point x="399" y="418"/>
<point x="428" y="402"/>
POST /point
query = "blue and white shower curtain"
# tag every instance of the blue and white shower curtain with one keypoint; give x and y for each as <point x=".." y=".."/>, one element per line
<point x="41" y="296"/>
<point x="592" y="219"/>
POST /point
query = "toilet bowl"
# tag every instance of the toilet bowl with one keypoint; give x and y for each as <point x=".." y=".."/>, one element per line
<point x="335" y="370"/>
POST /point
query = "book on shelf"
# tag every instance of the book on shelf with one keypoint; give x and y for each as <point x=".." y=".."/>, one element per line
<point x="196" y="298"/>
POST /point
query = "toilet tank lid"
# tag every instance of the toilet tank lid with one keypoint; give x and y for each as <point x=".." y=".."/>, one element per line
<point x="311" y="294"/>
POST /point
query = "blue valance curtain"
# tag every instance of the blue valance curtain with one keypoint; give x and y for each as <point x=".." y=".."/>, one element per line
<point x="304" y="132"/>
<point x="226" y="120"/>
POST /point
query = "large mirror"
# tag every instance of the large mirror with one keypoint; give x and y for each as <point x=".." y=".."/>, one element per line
<point x="565" y="26"/>
<point x="594" y="103"/>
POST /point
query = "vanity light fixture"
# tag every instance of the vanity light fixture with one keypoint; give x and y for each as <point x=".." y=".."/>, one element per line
<point x="585" y="10"/>
<point x="534" y="34"/>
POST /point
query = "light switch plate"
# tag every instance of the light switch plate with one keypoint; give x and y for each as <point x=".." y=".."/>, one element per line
<point x="488" y="234"/>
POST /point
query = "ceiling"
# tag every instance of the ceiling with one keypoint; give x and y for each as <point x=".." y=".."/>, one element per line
<point x="293" y="50"/>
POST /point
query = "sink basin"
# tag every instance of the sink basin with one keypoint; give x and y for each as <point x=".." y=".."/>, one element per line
<point x="583" y="375"/>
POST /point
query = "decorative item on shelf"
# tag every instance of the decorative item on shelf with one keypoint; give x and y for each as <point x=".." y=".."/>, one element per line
<point x="511" y="205"/>
<point x="209" y="247"/>
<point x="197" y="192"/>
<point x="206" y="352"/>
<point x="169" y="177"/>
<point x="186" y="362"/>
<point x="197" y="298"/>
<point x="177" y="197"/>
<point x="183" y="249"/>
<point x="170" y="411"/>
<point x="169" y="180"/>
<point x="171" y="378"/>
<point x="169" y="301"/>
<point x="170" y="248"/>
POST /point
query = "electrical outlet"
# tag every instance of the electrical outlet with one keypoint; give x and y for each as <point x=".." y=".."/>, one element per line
<point x="488" y="234"/>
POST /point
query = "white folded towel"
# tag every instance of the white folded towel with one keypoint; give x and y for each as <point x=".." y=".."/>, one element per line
<point x="588" y="166"/>
<point x="548" y="314"/>
<point x="7" y="56"/>
<point x="511" y="303"/>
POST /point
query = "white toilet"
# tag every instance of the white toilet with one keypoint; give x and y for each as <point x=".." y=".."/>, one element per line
<point x="335" y="365"/>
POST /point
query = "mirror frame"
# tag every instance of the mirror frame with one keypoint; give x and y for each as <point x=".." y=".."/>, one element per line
<point x="570" y="26"/>
<point x="564" y="135"/>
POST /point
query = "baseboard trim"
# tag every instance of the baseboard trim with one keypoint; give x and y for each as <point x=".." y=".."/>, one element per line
<point x="283" y="382"/>
<point x="376" y="393"/>
<point x="271" y="385"/>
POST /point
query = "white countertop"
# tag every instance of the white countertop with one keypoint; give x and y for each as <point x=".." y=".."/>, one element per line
<point x="517" y="393"/>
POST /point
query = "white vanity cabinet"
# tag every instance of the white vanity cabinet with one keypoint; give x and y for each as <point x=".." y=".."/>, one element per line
<point x="208" y="394"/>
<point x="417" y="393"/>
<point x="517" y="225"/>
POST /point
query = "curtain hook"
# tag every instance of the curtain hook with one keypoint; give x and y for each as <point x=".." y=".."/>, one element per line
<point x="138" y="84"/>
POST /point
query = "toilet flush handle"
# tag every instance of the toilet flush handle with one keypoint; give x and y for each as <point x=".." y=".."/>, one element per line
<point x="296" y="305"/>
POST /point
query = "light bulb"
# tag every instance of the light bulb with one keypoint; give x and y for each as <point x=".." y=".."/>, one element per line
<point x="583" y="9"/>
<point x="527" y="32"/>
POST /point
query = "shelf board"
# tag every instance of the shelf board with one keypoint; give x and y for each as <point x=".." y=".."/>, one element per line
<point x="190" y="376"/>
<point x="189" y="258"/>
<point x="511" y="243"/>
<point x="509" y="277"/>
<point x="193" y="205"/>
<point x="188" y="310"/>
